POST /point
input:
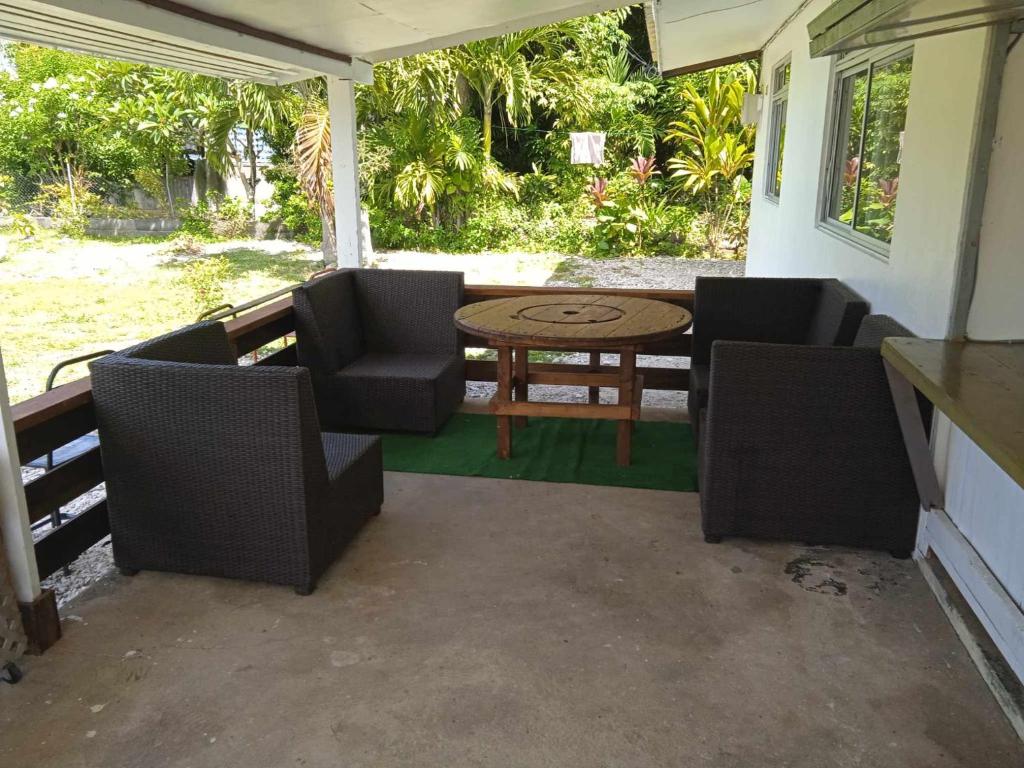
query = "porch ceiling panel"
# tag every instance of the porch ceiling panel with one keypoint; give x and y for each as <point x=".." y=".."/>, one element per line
<point x="267" y="41"/>
<point x="695" y="33"/>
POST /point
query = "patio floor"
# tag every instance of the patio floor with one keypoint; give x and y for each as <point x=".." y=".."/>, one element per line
<point x="507" y="623"/>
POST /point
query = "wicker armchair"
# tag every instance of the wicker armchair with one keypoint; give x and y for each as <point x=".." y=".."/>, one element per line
<point x="802" y="443"/>
<point x="766" y="309"/>
<point x="382" y="347"/>
<point x="221" y="470"/>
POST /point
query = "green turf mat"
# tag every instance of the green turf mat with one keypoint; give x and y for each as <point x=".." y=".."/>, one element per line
<point x="555" y="450"/>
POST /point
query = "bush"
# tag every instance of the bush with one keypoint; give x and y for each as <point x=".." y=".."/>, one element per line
<point x="217" y="216"/>
<point x="204" y="279"/>
<point x="70" y="212"/>
<point x="291" y="206"/>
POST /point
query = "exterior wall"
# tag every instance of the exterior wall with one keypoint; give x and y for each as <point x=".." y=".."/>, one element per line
<point x="915" y="284"/>
<point x="997" y="311"/>
<point x="981" y="539"/>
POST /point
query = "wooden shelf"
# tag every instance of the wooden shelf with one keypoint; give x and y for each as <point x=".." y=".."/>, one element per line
<point x="978" y="385"/>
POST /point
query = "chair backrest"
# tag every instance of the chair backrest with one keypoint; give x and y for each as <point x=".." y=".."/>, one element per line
<point x="769" y="309"/>
<point x="327" y="324"/>
<point x="409" y="310"/>
<point x="195" y="444"/>
<point x="205" y="342"/>
<point x="837" y="315"/>
<point x="874" y="328"/>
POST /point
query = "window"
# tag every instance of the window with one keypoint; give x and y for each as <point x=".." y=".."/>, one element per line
<point x="869" y="115"/>
<point x="777" y="130"/>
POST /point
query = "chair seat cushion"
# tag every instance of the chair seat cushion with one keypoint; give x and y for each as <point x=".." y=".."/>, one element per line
<point x="396" y="365"/>
<point x="394" y="391"/>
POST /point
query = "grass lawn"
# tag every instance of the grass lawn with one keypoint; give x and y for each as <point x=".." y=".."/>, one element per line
<point x="61" y="298"/>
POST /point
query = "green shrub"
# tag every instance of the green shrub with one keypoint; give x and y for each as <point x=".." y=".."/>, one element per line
<point x="290" y="205"/>
<point x="217" y="216"/>
<point x="204" y="279"/>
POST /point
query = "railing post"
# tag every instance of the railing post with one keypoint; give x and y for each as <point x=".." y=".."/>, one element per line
<point x="38" y="606"/>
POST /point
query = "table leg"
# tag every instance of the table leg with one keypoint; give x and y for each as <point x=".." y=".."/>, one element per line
<point x="522" y="387"/>
<point x="504" y="396"/>
<point x="908" y="414"/>
<point x="594" y="393"/>
<point x="627" y="380"/>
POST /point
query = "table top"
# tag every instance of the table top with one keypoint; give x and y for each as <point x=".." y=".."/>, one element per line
<point x="568" y="321"/>
<point x="978" y="385"/>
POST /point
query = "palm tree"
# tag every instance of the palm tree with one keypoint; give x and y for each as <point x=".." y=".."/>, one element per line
<point x="231" y="115"/>
<point x="311" y="152"/>
<point x="511" y="70"/>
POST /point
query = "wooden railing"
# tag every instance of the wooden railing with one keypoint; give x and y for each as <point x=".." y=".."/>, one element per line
<point x="61" y="415"/>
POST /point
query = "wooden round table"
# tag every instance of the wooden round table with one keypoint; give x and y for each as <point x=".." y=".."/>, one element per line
<point x="570" y="322"/>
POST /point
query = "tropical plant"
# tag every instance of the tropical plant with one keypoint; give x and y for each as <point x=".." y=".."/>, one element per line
<point x="717" y="148"/>
<point x="511" y="71"/>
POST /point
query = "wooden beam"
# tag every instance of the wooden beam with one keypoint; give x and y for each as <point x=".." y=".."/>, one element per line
<point x="712" y="64"/>
<point x="63" y="484"/>
<point x="62" y="545"/>
<point x="654" y="378"/>
<point x="173" y="22"/>
<point x="41" y="621"/>
<point x="566" y="410"/>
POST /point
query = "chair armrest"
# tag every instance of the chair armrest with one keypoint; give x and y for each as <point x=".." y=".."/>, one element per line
<point x="806" y="407"/>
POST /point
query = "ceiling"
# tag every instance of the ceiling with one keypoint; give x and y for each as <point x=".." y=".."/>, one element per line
<point x="692" y="33"/>
<point x="270" y="41"/>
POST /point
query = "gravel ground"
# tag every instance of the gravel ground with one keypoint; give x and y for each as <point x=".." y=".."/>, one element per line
<point x="98" y="562"/>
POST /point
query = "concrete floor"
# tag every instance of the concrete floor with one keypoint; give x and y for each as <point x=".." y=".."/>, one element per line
<point x="506" y="623"/>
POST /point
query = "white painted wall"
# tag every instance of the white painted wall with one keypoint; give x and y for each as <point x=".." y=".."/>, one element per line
<point x="915" y="284"/>
<point x="997" y="311"/>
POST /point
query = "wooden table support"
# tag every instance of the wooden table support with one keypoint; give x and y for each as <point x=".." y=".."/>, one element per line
<point x="504" y="395"/>
<point x="904" y="399"/>
<point x="627" y="382"/>
<point x="594" y="393"/>
<point x="522" y="382"/>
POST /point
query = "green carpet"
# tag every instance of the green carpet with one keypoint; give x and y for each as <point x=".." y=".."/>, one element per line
<point x="555" y="450"/>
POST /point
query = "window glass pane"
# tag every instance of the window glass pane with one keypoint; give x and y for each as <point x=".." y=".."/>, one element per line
<point x="778" y="134"/>
<point x="853" y="90"/>
<point x="883" y="147"/>
<point x="781" y="79"/>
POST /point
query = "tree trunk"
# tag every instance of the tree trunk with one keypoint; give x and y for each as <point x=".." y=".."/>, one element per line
<point x="71" y="185"/>
<point x="167" y="186"/>
<point x="250" y="152"/>
<point x="488" y="115"/>
<point x="328" y="240"/>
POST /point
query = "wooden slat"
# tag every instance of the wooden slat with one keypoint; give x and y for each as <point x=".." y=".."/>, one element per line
<point x="59" y="486"/>
<point x="59" y="430"/>
<point x="676" y="347"/>
<point x="573" y="378"/>
<point x="565" y="410"/>
<point x="654" y="378"/>
<point x="62" y="545"/>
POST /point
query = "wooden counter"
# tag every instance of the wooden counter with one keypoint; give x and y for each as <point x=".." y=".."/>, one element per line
<point x="978" y="385"/>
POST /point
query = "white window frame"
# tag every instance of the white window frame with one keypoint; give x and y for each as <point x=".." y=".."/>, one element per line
<point x="779" y="98"/>
<point x="843" y="66"/>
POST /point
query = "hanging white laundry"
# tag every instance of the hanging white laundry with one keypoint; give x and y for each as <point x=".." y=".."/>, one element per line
<point x="587" y="148"/>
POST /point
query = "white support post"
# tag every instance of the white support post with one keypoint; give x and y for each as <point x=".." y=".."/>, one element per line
<point x="341" y="105"/>
<point x="17" y="533"/>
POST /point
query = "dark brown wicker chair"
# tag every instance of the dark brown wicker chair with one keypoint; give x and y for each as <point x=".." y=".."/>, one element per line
<point x="382" y="347"/>
<point x="217" y="469"/>
<point x="778" y="310"/>
<point x="802" y="443"/>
